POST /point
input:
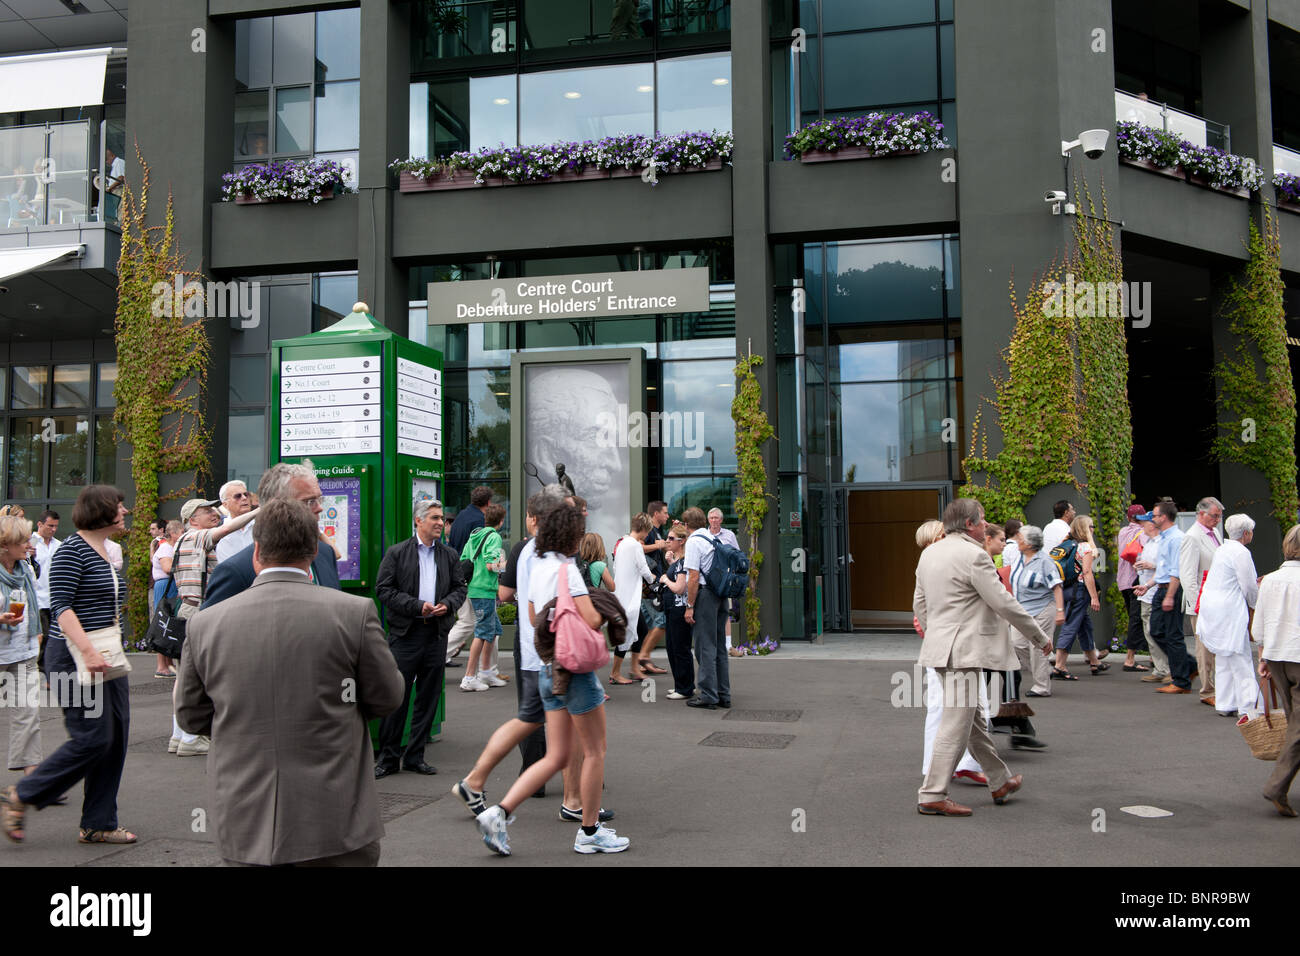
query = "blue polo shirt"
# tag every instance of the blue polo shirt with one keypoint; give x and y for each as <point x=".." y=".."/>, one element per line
<point x="1169" y="542"/>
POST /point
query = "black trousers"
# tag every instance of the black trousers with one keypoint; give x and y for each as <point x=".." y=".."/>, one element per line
<point x="679" y="650"/>
<point x="421" y="656"/>
<point x="533" y="747"/>
<point x="1167" y="631"/>
<point x="1136" y="639"/>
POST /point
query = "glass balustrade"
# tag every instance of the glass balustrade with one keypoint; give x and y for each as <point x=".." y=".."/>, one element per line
<point x="1195" y="129"/>
<point x="45" y="175"/>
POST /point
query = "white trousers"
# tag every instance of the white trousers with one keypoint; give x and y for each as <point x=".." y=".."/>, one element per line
<point x="462" y="630"/>
<point x="1237" y="685"/>
<point x="1159" y="659"/>
<point x="934" y="714"/>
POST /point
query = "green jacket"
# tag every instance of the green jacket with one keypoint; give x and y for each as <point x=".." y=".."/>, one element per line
<point x="484" y="582"/>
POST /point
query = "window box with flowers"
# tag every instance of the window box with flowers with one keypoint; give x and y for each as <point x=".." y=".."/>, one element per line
<point x="290" y="180"/>
<point x="1161" y="152"/>
<point x="613" y="157"/>
<point x="873" y="136"/>
<point x="1288" y="190"/>
<point x="1151" y="149"/>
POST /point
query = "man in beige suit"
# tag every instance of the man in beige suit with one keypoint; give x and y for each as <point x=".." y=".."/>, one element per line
<point x="958" y="601"/>
<point x="1195" y="556"/>
<point x="284" y="676"/>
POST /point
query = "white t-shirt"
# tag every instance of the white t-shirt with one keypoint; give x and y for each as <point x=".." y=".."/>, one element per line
<point x="528" y="659"/>
<point x="234" y="542"/>
<point x="165" y="550"/>
<point x="544" y="573"/>
<point x="1011" y="554"/>
<point x="630" y="569"/>
<point x="1055" y="532"/>
<point x="43" y="554"/>
<point x="1150" y="551"/>
<point x="699" y="552"/>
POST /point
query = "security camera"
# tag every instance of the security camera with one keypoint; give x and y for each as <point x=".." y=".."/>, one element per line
<point x="1054" y="195"/>
<point x="1093" y="142"/>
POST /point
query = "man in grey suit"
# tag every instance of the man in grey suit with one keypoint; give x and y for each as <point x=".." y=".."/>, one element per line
<point x="958" y="601"/>
<point x="1195" y="555"/>
<point x="263" y="665"/>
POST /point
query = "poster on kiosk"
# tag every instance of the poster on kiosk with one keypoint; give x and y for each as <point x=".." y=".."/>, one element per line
<point x="364" y="406"/>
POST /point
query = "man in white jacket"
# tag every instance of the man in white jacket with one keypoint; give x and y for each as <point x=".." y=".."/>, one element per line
<point x="630" y="569"/>
<point x="1195" y="556"/>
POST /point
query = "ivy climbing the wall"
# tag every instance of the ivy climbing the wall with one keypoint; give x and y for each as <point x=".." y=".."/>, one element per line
<point x="162" y="362"/>
<point x="1257" y="395"/>
<point x="752" y="431"/>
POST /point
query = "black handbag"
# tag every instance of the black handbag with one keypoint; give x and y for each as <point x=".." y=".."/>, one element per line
<point x="166" y="634"/>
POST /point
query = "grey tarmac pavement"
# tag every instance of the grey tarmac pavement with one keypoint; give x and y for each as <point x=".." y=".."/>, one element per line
<point x="848" y="767"/>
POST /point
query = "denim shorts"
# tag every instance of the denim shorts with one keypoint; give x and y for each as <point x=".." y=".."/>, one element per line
<point x="653" y="618"/>
<point x="585" y="693"/>
<point x="487" y="626"/>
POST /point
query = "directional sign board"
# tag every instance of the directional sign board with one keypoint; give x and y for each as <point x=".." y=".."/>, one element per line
<point x="331" y="406"/>
<point x="419" y="409"/>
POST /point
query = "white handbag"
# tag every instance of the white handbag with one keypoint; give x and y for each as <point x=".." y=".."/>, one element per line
<point x="108" y="642"/>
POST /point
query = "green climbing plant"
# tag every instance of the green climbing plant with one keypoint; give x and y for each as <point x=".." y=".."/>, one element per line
<point x="1256" y="393"/>
<point x="753" y="430"/>
<point x="162" y="362"/>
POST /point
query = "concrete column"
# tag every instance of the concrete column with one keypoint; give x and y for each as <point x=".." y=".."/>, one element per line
<point x="180" y="112"/>
<point x="751" y="117"/>
<point x="385" y="85"/>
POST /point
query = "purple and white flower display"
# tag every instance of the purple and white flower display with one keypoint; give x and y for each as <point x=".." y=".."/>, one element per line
<point x="289" y="179"/>
<point x="885" y="134"/>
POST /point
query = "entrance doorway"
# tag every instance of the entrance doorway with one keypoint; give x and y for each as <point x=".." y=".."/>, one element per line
<point x="872" y="545"/>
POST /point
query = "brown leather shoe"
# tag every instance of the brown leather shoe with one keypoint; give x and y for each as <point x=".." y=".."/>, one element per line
<point x="1007" y="789"/>
<point x="1174" y="689"/>
<point x="1208" y="700"/>
<point x="944" y="808"/>
<point x="1282" y="806"/>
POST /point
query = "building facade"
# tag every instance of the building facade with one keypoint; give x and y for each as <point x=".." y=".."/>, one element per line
<point x="876" y="291"/>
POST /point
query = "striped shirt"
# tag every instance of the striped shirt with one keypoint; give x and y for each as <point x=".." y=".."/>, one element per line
<point x="82" y="581"/>
<point x="193" y="546"/>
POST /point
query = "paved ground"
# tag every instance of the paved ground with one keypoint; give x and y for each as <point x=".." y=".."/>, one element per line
<point x="847" y="765"/>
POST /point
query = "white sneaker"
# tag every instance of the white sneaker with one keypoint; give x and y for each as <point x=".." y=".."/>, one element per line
<point x="488" y="679"/>
<point x="173" y="745"/>
<point x="604" y="840"/>
<point x="673" y="695"/>
<point x="195" y="748"/>
<point x="492" y="824"/>
<point x="469" y="682"/>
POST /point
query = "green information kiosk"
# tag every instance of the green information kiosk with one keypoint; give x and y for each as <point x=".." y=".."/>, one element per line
<point x="364" y="404"/>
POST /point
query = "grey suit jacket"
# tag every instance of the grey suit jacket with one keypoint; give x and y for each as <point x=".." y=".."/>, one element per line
<point x="284" y="677"/>
<point x="1195" y="555"/>
<point x="960" y="604"/>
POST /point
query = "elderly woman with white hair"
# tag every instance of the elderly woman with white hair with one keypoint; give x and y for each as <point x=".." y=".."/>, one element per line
<point x="1223" y="621"/>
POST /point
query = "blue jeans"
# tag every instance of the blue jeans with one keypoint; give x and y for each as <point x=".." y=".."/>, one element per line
<point x="1078" y="620"/>
<point x="710" y="635"/>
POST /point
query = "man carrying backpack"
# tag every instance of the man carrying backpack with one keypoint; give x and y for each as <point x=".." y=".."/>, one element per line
<point x="706" y="614"/>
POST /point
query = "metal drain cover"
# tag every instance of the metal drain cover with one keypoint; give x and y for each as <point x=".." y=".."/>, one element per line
<point x="768" y="716"/>
<point x="748" y="741"/>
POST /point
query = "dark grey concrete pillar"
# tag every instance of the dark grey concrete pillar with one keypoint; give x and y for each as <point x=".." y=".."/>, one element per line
<point x="751" y="117"/>
<point x="180" y="112"/>
<point x="385" y="85"/>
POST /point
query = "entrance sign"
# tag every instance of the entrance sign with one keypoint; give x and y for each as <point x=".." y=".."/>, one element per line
<point x="587" y="295"/>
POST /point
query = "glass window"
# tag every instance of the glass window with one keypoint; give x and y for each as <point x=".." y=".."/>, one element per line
<point x="492" y="115"/>
<point x="31" y="382"/>
<point x="253" y="53"/>
<point x="71" y="447"/>
<point x="105" y="451"/>
<point x="335" y="296"/>
<point x="703" y="493"/>
<point x="348" y="160"/>
<point x="417" y="324"/>
<point x="566" y="24"/>
<point x="338" y="115"/>
<point x="888" y="281"/>
<point x="697" y="417"/>
<point x="489" y="27"/>
<point x="294" y="37"/>
<point x="338" y="45"/>
<point x="293" y="120"/>
<point x="246" y="447"/>
<point x="699" y="334"/>
<point x="911" y="358"/>
<point x="586" y="333"/>
<point x="694" y="93"/>
<point x="4" y="371"/>
<point x="684" y="19"/>
<point x="890" y="431"/>
<point x="27" y="453"/>
<point x="856" y="15"/>
<point x="586" y="103"/>
<point x="71" y="386"/>
<point x="863" y="70"/>
<point x="252" y="138"/>
<point x="289" y="306"/>
<point x="248" y="380"/>
<point x="946" y="63"/>
<point x="476" y="416"/>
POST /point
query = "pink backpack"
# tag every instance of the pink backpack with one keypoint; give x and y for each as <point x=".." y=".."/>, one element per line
<point x="578" y="647"/>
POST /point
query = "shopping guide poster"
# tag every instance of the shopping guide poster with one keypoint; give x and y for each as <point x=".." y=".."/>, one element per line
<point x="340" y="522"/>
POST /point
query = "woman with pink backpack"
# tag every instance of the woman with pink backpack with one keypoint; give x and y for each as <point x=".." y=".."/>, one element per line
<point x="571" y="693"/>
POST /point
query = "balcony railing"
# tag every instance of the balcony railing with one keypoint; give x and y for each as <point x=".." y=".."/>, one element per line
<point x="1195" y="129"/>
<point x="46" y="174"/>
<point x="1286" y="160"/>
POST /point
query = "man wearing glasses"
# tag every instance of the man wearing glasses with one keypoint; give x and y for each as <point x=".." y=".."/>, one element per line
<point x="236" y="501"/>
<point x="280" y="481"/>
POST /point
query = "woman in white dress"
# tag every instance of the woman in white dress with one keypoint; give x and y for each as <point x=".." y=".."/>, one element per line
<point x="1223" y="622"/>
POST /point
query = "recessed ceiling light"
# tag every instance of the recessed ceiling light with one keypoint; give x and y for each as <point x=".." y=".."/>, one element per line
<point x="500" y="101"/>
<point x="35" y="306"/>
<point x="573" y="95"/>
<point x="651" y="388"/>
<point x="644" y="88"/>
<point x="721" y="81"/>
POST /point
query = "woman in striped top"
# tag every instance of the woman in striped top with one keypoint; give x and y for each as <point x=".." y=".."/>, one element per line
<point x="86" y="593"/>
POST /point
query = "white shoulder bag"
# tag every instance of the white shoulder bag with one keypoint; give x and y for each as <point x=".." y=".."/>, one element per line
<point x="108" y="641"/>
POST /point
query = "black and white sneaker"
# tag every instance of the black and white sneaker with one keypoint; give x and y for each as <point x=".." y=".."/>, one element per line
<point x="473" y="799"/>
<point x="575" y="816"/>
